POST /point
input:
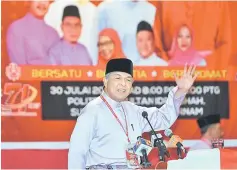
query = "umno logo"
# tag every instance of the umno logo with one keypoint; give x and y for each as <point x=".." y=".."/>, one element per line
<point x="13" y="72"/>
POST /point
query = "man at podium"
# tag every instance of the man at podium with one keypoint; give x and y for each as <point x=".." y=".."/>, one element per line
<point x="109" y="124"/>
<point x="210" y="129"/>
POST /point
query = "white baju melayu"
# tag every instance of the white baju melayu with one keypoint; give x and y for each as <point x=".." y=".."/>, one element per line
<point x="201" y="144"/>
<point x="99" y="139"/>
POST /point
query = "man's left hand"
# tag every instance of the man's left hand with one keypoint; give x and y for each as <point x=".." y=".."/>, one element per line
<point x="185" y="82"/>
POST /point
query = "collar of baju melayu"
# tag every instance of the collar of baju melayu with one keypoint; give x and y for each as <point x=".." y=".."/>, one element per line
<point x="82" y="2"/>
<point x="208" y="142"/>
<point x="131" y="4"/>
<point x="152" y="56"/>
<point x="114" y="104"/>
<point x="69" y="45"/>
<point x="33" y="20"/>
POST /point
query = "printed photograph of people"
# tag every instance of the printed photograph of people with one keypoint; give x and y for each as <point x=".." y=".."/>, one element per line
<point x="68" y="51"/>
<point x="29" y="38"/>
<point x="109" y="46"/>
<point x="88" y="15"/>
<point x="210" y="22"/>
<point x="146" y="46"/>
<point x="123" y="16"/>
<point x="183" y="50"/>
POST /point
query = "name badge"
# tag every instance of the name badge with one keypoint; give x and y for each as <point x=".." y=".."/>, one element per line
<point x="132" y="159"/>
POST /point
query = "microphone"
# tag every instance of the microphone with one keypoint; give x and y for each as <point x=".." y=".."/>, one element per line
<point x="157" y="141"/>
<point x="170" y="134"/>
<point x="142" y="144"/>
<point x="145" y="116"/>
<point x="143" y="148"/>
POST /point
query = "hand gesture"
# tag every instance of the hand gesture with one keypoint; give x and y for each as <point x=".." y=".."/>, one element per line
<point x="185" y="82"/>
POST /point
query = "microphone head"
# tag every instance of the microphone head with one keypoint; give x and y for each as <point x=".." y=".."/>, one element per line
<point x="152" y="133"/>
<point x="142" y="144"/>
<point x="168" y="132"/>
<point x="144" y="114"/>
<point x="159" y="135"/>
<point x="139" y="137"/>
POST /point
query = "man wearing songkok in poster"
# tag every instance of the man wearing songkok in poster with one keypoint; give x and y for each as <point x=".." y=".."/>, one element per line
<point x="68" y="51"/>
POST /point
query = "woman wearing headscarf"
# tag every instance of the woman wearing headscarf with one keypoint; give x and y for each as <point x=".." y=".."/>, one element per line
<point x="109" y="46"/>
<point x="183" y="51"/>
<point x="211" y="22"/>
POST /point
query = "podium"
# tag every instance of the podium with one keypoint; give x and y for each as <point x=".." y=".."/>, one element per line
<point x="206" y="159"/>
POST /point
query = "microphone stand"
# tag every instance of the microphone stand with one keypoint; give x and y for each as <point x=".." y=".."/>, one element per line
<point x="144" y="159"/>
<point x="161" y="149"/>
<point x="179" y="152"/>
